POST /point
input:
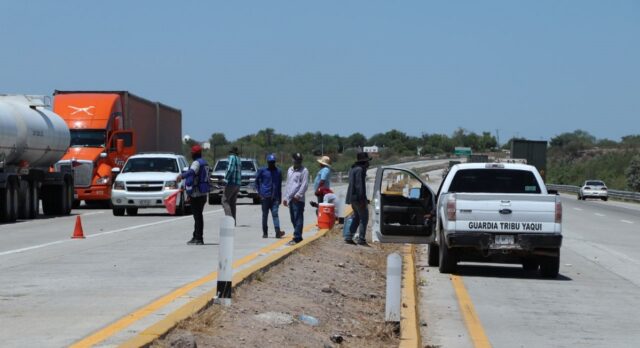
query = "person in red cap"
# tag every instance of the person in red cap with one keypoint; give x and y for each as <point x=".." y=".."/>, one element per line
<point x="197" y="188"/>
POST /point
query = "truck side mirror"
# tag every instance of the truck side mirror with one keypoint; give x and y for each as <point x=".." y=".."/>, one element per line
<point x="119" y="145"/>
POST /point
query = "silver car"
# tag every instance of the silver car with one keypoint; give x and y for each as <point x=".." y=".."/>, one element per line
<point x="249" y="168"/>
<point x="593" y="189"/>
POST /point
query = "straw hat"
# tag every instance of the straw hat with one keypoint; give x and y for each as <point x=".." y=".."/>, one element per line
<point x="325" y="160"/>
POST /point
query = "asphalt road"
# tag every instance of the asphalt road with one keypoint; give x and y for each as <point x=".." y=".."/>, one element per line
<point x="593" y="303"/>
<point x="57" y="290"/>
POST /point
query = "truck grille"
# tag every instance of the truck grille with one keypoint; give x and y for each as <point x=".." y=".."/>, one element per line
<point x="82" y="172"/>
<point x="144" y="186"/>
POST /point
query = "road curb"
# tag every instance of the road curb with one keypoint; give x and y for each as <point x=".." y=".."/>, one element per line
<point x="409" y="323"/>
<point x="161" y="328"/>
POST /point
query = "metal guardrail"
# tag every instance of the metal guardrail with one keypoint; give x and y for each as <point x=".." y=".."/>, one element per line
<point x="619" y="194"/>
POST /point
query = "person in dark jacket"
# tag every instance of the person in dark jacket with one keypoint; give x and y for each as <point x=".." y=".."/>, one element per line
<point x="197" y="187"/>
<point x="357" y="197"/>
<point x="269" y="186"/>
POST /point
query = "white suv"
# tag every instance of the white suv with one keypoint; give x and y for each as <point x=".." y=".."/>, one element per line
<point x="593" y="189"/>
<point x="146" y="180"/>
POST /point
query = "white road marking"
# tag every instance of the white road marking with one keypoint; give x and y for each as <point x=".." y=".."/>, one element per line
<point x="627" y="221"/>
<point x="40" y="246"/>
<point x="598" y="214"/>
<point x="578" y="209"/>
<point x="94" y="213"/>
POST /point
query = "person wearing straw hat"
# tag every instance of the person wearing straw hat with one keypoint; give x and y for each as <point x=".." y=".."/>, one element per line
<point x="322" y="182"/>
<point x="357" y="197"/>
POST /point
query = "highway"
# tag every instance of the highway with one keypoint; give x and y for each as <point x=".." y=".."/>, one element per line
<point x="593" y="303"/>
<point x="57" y="290"/>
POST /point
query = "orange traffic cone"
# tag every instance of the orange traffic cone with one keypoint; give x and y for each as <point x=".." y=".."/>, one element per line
<point x="78" y="233"/>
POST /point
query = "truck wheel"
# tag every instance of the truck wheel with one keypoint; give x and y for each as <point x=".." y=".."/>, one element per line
<point x="118" y="211"/>
<point x="550" y="266"/>
<point x="35" y="201"/>
<point x="447" y="261"/>
<point x="432" y="259"/>
<point x="530" y="265"/>
<point x="180" y="209"/>
<point x="605" y="198"/>
<point x="76" y="203"/>
<point x="215" y="199"/>
<point x="24" y="201"/>
<point x="5" y="204"/>
<point x="132" y="211"/>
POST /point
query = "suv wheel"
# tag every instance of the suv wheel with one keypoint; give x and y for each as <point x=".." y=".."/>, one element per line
<point x="118" y="211"/>
<point x="132" y="211"/>
<point x="256" y="199"/>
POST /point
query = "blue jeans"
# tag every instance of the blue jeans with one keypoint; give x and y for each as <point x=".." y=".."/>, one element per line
<point x="269" y="204"/>
<point x="360" y="219"/>
<point x="296" y="210"/>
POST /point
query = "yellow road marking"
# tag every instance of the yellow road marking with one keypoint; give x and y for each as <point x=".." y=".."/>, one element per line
<point x="409" y="331"/>
<point x="471" y="319"/>
<point x="141" y="313"/>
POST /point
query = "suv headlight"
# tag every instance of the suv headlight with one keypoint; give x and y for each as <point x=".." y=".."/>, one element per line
<point x="170" y="185"/>
<point x="103" y="180"/>
<point x="118" y="185"/>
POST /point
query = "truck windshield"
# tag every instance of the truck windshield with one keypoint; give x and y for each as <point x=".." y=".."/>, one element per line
<point x="494" y="181"/>
<point x="246" y="166"/>
<point x="88" y="138"/>
<point x="135" y="165"/>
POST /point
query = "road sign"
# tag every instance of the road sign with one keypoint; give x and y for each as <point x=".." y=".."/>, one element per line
<point x="462" y="151"/>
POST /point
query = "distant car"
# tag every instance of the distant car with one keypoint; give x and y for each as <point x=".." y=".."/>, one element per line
<point x="249" y="168"/>
<point x="146" y="180"/>
<point x="593" y="189"/>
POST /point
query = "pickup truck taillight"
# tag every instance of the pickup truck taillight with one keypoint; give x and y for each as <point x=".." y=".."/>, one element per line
<point x="451" y="209"/>
<point x="558" y="212"/>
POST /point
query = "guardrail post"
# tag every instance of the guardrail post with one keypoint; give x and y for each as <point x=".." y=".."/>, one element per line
<point x="394" y="284"/>
<point x="224" y="286"/>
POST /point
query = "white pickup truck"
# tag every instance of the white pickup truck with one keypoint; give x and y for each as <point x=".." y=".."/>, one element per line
<point x="497" y="212"/>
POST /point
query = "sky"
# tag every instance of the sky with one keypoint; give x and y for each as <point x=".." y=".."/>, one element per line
<point x="532" y="69"/>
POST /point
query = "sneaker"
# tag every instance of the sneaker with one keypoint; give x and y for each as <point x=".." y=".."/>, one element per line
<point x="349" y="241"/>
<point x="279" y="234"/>
<point x="264" y="235"/>
<point x="363" y="243"/>
<point x="195" y="242"/>
<point x="294" y="242"/>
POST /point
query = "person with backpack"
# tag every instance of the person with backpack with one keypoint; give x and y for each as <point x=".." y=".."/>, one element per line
<point x="269" y="187"/>
<point x="197" y="189"/>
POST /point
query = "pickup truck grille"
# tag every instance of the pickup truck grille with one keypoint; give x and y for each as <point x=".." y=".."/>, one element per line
<point x="144" y="186"/>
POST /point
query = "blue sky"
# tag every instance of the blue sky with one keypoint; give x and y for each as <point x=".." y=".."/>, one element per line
<point x="526" y="68"/>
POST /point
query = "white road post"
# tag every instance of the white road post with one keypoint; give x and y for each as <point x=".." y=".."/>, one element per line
<point x="394" y="280"/>
<point x="225" y="262"/>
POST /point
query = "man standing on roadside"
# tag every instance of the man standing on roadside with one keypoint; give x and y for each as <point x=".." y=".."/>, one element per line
<point x="232" y="179"/>
<point x="357" y="197"/>
<point x="197" y="187"/>
<point x="269" y="186"/>
<point x="295" y="189"/>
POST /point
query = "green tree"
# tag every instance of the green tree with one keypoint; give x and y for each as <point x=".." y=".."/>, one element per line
<point x="633" y="173"/>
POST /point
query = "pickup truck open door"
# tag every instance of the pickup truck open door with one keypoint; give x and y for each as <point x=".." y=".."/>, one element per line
<point x="403" y="207"/>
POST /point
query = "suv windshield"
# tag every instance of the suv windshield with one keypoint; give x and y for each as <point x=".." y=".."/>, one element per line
<point x="246" y="166"/>
<point x="494" y="181"/>
<point x="88" y="138"/>
<point x="150" y="164"/>
<point x="594" y="183"/>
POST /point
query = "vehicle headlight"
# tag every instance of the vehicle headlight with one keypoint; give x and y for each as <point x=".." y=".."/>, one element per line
<point x="170" y="185"/>
<point x="118" y="185"/>
<point x="103" y="180"/>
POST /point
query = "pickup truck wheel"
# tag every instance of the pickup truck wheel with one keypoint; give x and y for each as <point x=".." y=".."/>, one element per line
<point x="118" y="211"/>
<point x="132" y="211"/>
<point x="432" y="259"/>
<point x="447" y="261"/>
<point x="215" y="199"/>
<point x="605" y="198"/>
<point x="530" y="265"/>
<point x="550" y="267"/>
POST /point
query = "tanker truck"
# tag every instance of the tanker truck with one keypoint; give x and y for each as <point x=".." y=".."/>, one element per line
<point x="32" y="139"/>
<point x="106" y="128"/>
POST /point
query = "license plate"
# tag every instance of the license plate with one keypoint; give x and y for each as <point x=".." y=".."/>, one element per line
<point x="144" y="202"/>
<point x="504" y="239"/>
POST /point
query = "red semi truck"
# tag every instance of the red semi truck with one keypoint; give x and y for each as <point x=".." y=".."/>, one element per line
<point x="106" y="128"/>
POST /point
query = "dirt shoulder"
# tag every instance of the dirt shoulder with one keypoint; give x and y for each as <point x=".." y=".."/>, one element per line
<point x="341" y="286"/>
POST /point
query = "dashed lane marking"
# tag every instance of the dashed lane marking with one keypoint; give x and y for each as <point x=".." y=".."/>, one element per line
<point x="578" y="209"/>
<point x="627" y="221"/>
<point x="40" y="246"/>
<point x="598" y="214"/>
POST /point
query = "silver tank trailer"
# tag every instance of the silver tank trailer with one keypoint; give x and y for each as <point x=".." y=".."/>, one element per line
<point x="30" y="132"/>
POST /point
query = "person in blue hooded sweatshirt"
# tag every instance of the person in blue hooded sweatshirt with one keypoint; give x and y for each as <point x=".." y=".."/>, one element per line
<point x="197" y="187"/>
<point x="269" y="185"/>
